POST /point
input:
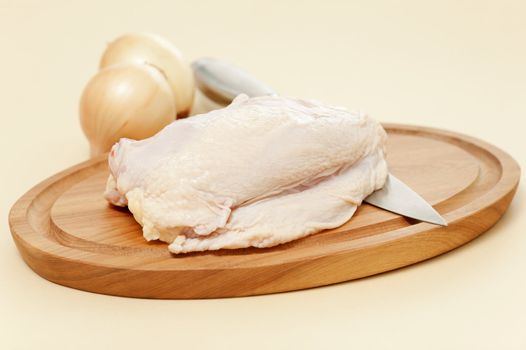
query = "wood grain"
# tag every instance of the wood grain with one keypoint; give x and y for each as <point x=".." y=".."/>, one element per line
<point x="68" y="234"/>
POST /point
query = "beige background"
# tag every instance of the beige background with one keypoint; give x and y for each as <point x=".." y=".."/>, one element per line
<point x="459" y="65"/>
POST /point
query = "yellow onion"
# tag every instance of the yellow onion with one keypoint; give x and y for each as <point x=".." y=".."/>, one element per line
<point x="159" y="52"/>
<point x="125" y="100"/>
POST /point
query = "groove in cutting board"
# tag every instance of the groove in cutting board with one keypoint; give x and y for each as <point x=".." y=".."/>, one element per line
<point x="68" y="234"/>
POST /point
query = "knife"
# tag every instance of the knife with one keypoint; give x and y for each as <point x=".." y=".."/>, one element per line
<point x="222" y="82"/>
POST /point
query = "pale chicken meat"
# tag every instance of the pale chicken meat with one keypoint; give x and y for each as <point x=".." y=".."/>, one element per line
<point x="260" y="172"/>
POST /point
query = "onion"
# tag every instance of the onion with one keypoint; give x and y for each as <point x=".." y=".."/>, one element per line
<point x="125" y="100"/>
<point x="159" y="52"/>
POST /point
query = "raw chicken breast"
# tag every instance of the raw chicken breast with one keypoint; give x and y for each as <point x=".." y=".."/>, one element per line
<point x="260" y="172"/>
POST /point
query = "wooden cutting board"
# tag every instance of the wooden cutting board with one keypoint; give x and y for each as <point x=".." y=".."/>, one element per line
<point x="68" y="234"/>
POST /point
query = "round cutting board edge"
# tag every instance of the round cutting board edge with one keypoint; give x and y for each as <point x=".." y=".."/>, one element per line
<point x="383" y="255"/>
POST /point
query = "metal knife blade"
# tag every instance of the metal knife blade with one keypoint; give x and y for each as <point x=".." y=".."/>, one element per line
<point x="222" y="81"/>
<point x="397" y="197"/>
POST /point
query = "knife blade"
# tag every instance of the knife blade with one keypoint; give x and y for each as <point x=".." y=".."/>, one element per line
<point x="222" y="82"/>
<point x="395" y="196"/>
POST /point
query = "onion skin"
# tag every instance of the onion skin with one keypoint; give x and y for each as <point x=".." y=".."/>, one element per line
<point x="125" y="100"/>
<point x="159" y="52"/>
